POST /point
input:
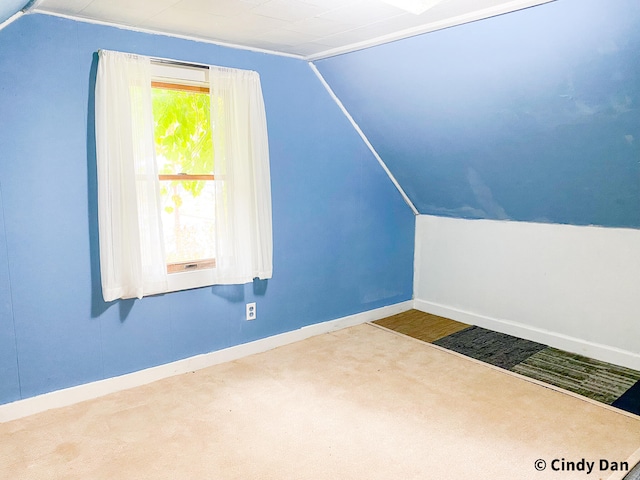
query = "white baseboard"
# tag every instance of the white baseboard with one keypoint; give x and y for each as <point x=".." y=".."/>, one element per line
<point x="598" y="351"/>
<point x="88" y="391"/>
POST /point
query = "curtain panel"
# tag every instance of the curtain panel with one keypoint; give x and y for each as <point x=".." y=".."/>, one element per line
<point x="243" y="191"/>
<point x="132" y="257"/>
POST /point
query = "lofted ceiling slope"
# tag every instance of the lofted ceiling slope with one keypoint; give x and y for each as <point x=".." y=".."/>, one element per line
<point x="8" y="8"/>
<point x="307" y="28"/>
<point x="531" y="116"/>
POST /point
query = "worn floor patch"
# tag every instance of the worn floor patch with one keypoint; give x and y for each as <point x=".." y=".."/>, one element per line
<point x="496" y="348"/>
<point x="592" y="378"/>
<point x="420" y="325"/>
<point x="601" y="381"/>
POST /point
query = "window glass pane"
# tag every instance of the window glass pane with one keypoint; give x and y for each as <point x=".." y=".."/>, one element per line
<point x="182" y="131"/>
<point x="188" y="221"/>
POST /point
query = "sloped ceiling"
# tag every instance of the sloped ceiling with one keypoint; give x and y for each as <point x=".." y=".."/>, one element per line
<point x="307" y="28"/>
<point x="531" y="116"/>
<point x="10" y="7"/>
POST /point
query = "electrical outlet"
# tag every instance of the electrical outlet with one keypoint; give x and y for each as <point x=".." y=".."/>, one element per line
<point x="251" y="311"/>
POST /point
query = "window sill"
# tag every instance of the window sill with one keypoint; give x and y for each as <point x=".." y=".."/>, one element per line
<point x="191" y="279"/>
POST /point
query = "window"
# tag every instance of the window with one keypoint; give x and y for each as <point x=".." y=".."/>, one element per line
<point x="184" y="156"/>
<point x="184" y="194"/>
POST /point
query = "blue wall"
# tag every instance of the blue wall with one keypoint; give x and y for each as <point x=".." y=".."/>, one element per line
<point x="9" y="381"/>
<point x="343" y="237"/>
<point x="530" y="116"/>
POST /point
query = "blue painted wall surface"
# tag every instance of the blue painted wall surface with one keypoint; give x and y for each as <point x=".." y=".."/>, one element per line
<point x="343" y="237"/>
<point x="530" y="116"/>
<point x="9" y="381"/>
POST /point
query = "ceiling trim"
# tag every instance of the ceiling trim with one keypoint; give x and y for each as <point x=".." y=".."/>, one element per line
<point x="167" y="34"/>
<point x="430" y="27"/>
<point x="27" y="7"/>
<point x="476" y="15"/>
<point x="11" y="19"/>
<point x="364" y="138"/>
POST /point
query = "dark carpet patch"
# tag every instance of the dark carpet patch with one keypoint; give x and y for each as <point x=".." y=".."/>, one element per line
<point x="592" y="378"/>
<point x="630" y="401"/>
<point x="498" y="349"/>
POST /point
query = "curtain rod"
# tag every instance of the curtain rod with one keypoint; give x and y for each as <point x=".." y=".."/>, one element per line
<point x="166" y="61"/>
<point x="181" y="63"/>
<point x="178" y="63"/>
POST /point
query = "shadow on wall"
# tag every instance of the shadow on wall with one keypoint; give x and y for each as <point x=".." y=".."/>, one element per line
<point x="98" y="305"/>
<point x="235" y="293"/>
<point x="231" y="293"/>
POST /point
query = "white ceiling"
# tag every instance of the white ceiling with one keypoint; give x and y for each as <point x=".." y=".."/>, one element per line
<point x="308" y="28"/>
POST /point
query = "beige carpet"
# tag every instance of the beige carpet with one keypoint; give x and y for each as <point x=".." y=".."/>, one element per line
<point x="361" y="403"/>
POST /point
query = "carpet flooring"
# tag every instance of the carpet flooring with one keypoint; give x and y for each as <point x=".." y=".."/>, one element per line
<point x="594" y="379"/>
<point x="359" y="403"/>
<point x="498" y="349"/>
<point x="600" y="381"/>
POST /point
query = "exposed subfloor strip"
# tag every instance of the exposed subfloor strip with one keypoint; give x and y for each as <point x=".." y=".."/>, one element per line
<point x="604" y="382"/>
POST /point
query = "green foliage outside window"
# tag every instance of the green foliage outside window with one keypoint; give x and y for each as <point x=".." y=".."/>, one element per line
<point x="182" y="132"/>
<point x="183" y="144"/>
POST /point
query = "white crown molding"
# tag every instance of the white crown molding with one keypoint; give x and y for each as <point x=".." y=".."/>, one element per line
<point x="410" y="32"/>
<point x="166" y="34"/>
<point x="11" y="19"/>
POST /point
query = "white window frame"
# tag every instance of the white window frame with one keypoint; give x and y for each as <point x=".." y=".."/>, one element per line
<point x="196" y="76"/>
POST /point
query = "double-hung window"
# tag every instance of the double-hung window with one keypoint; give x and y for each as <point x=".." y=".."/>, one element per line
<point x="184" y="156"/>
<point x="183" y="176"/>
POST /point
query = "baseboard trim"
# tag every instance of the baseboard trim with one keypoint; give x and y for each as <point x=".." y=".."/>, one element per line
<point x="88" y="391"/>
<point x="598" y="351"/>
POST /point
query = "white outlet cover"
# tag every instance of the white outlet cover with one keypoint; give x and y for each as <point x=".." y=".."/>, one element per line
<point x="251" y="311"/>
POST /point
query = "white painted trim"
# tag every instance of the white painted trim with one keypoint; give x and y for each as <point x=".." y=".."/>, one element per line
<point x="166" y="34"/>
<point x="598" y="351"/>
<point x="430" y="27"/>
<point x="417" y="254"/>
<point x="88" y="391"/>
<point x="11" y="19"/>
<point x="410" y="32"/>
<point x="364" y="137"/>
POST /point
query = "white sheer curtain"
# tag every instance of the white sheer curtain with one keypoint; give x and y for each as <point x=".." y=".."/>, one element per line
<point x="241" y="167"/>
<point x="132" y="261"/>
